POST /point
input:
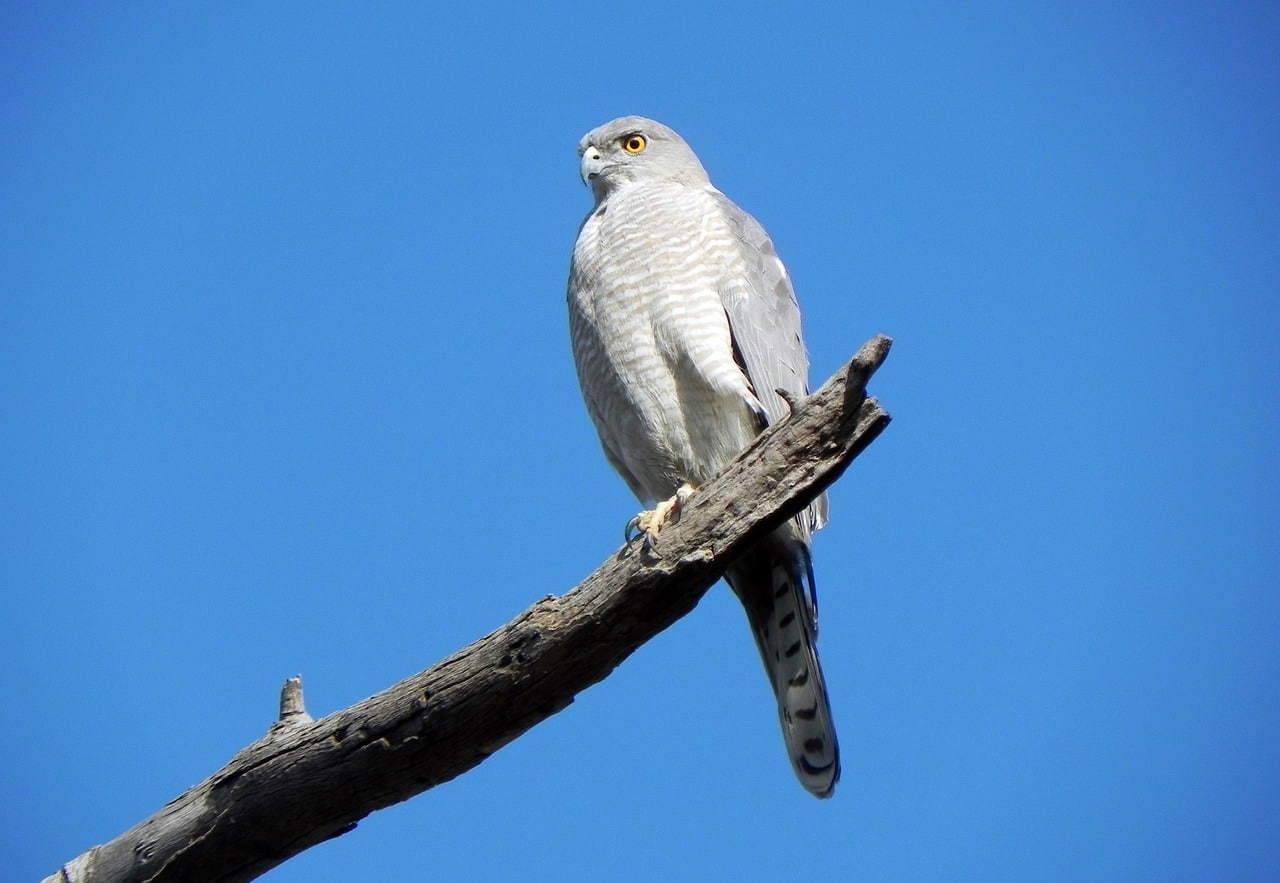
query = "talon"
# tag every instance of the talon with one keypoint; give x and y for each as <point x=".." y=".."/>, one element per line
<point x="650" y="522"/>
<point x="632" y="530"/>
<point x="683" y="493"/>
<point x="645" y="524"/>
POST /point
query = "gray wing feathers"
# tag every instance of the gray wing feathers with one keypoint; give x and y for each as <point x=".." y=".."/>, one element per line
<point x="764" y="319"/>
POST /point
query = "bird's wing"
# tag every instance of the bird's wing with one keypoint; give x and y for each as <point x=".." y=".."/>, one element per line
<point x="764" y="319"/>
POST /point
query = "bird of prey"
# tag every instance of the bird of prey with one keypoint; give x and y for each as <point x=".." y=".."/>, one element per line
<point x="686" y="337"/>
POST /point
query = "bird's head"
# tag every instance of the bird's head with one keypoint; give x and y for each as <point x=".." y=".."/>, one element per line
<point x="635" y="149"/>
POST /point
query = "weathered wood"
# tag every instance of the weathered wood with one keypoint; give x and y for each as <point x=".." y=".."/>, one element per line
<point x="307" y="781"/>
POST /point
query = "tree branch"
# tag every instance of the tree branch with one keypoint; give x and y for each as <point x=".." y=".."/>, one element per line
<point x="307" y="781"/>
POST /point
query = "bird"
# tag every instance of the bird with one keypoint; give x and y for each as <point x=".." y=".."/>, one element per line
<point x="687" y="343"/>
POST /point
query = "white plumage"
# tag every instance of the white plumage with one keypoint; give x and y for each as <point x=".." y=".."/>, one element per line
<point x="684" y="327"/>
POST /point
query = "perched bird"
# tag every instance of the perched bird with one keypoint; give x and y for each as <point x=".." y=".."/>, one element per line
<point x="686" y="338"/>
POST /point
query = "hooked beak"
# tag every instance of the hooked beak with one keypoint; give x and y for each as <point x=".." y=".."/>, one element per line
<point x="592" y="166"/>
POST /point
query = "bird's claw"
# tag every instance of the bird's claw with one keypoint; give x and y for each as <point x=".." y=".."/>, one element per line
<point x="650" y="522"/>
<point x="645" y="524"/>
<point x="632" y="529"/>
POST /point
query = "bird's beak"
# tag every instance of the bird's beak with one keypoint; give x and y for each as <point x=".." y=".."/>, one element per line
<point x="591" y="166"/>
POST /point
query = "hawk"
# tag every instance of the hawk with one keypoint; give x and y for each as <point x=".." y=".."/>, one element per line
<point x="686" y="338"/>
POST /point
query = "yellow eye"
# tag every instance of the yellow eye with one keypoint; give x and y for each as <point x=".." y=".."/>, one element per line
<point x="634" y="143"/>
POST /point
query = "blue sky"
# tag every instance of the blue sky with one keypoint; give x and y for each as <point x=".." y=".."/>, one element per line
<point x="286" y="388"/>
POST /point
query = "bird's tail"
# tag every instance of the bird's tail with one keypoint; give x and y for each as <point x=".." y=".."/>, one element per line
<point x="774" y="581"/>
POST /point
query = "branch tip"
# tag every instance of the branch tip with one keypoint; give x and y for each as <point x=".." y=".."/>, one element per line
<point x="871" y="355"/>
<point x="292" y="709"/>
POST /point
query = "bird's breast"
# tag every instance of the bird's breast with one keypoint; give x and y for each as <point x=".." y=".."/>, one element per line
<point x="656" y="355"/>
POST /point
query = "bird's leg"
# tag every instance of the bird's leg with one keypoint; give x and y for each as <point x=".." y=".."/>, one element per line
<point x="651" y="521"/>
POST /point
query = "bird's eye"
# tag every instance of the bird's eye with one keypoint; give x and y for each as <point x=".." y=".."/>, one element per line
<point x="634" y="143"/>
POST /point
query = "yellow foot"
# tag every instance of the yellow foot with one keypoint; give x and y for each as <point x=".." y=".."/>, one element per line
<point x="651" y="521"/>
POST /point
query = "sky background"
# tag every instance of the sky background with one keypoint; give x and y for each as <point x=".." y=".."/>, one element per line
<point x="285" y="387"/>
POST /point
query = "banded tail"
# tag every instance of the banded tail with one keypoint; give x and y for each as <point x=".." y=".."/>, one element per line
<point x="774" y="582"/>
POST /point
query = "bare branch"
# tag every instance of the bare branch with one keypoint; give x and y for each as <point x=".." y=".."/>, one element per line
<point x="307" y="781"/>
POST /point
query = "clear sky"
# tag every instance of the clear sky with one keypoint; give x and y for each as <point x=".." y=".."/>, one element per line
<point x="285" y="387"/>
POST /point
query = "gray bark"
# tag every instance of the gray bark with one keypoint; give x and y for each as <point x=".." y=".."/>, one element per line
<point x="306" y="780"/>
